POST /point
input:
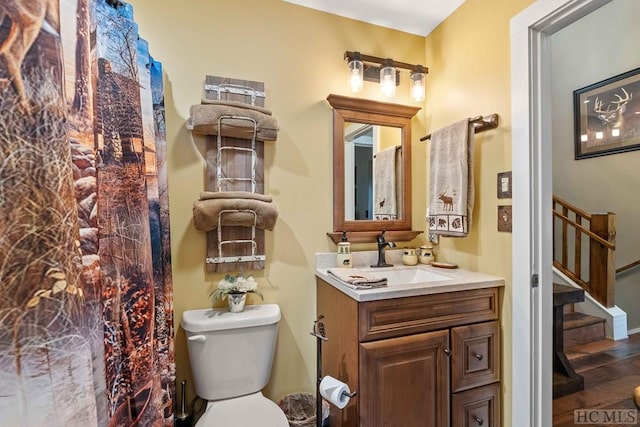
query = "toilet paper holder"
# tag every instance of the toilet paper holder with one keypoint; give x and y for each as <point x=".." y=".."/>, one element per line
<point x="352" y="394"/>
<point x="318" y="331"/>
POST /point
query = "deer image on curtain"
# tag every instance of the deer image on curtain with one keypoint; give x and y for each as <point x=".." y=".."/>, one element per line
<point x="86" y="303"/>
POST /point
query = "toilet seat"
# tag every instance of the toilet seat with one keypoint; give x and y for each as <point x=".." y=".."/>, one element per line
<point x="246" y="411"/>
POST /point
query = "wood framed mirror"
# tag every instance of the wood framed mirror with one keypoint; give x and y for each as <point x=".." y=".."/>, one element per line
<point x="368" y="196"/>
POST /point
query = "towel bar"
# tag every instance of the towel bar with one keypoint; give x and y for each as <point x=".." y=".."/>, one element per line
<point x="235" y="259"/>
<point x="235" y="89"/>
<point x="481" y="123"/>
<point x="398" y="148"/>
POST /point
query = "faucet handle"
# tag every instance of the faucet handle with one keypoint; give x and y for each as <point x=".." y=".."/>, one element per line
<point x="380" y="238"/>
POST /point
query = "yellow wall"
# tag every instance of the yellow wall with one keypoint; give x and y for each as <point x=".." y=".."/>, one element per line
<point x="469" y="62"/>
<point x="298" y="54"/>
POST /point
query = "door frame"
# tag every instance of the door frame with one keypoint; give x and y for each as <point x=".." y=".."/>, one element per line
<point x="531" y="147"/>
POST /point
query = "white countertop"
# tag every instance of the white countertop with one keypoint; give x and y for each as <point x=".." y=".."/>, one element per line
<point x="457" y="279"/>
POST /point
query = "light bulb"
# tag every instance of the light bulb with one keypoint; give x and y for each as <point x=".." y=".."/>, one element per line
<point x="356" y="72"/>
<point x="417" y="86"/>
<point x="388" y="81"/>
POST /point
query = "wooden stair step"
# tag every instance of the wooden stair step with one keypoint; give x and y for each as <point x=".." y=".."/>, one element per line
<point x="576" y="319"/>
<point x="580" y="328"/>
<point x="565" y="294"/>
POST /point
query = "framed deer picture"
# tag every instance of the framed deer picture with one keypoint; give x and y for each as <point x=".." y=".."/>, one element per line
<point x="607" y="116"/>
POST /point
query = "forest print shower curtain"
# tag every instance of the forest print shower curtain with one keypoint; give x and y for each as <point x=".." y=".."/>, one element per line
<point x="86" y="308"/>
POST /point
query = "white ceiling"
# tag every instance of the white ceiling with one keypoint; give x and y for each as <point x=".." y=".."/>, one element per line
<point x="412" y="16"/>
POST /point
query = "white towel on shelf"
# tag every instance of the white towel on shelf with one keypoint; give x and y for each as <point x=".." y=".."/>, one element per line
<point x="357" y="279"/>
<point x="451" y="189"/>
<point x="384" y="172"/>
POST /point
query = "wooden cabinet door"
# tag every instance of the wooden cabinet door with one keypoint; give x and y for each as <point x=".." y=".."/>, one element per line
<point x="404" y="381"/>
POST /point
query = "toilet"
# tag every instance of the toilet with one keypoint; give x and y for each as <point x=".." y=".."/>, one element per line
<point x="231" y="356"/>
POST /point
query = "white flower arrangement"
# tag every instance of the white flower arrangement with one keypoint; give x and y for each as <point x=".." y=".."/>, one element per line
<point x="239" y="284"/>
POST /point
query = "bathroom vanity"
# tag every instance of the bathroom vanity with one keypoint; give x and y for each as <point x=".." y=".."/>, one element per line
<point x="418" y="354"/>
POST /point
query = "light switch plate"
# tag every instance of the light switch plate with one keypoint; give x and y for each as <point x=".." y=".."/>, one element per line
<point x="504" y="185"/>
<point x="504" y="218"/>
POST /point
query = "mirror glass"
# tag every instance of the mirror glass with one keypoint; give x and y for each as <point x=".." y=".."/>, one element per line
<point x="372" y="165"/>
<point x="370" y="152"/>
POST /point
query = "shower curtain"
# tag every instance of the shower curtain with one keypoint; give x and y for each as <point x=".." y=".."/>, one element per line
<point x="86" y="302"/>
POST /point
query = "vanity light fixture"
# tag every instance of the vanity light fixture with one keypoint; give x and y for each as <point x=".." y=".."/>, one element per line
<point x="386" y="72"/>
<point x="388" y="79"/>
<point x="417" y="84"/>
<point x="356" y="73"/>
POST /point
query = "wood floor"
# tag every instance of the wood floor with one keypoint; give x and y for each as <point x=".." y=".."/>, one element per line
<point x="611" y="371"/>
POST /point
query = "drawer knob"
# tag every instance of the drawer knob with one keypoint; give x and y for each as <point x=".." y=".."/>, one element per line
<point x="478" y="356"/>
<point x="480" y="421"/>
<point x="447" y="352"/>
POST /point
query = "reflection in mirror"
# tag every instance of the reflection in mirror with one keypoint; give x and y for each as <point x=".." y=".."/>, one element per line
<point x="373" y="172"/>
<point x="372" y="168"/>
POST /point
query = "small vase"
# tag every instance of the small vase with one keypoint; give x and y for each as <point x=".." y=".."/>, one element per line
<point x="409" y="257"/>
<point x="426" y="255"/>
<point x="236" y="302"/>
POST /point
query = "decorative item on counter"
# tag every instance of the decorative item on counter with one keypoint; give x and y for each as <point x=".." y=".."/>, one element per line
<point x="426" y="254"/>
<point x="344" y="257"/>
<point x="443" y="265"/>
<point x="409" y="256"/>
<point x="235" y="290"/>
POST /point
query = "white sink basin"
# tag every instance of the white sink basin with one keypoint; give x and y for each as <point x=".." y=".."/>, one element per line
<point x="408" y="275"/>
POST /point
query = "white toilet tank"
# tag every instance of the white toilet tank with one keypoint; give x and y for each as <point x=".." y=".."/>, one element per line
<point x="231" y="353"/>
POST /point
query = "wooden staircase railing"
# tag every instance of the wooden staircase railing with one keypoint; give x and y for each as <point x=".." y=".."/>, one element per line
<point x="598" y="249"/>
<point x="628" y="267"/>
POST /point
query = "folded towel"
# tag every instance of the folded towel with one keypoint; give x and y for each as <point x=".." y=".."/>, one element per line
<point x="238" y="104"/>
<point x="206" y="195"/>
<point x="356" y="279"/>
<point x="384" y="204"/>
<point x="205" y="213"/>
<point x="451" y="188"/>
<point x="204" y="120"/>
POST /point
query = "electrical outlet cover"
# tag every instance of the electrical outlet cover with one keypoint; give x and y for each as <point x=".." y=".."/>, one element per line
<point x="504" y="218"/>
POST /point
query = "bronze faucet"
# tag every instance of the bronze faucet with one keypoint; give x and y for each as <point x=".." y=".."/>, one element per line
<point x="382" y="244"/>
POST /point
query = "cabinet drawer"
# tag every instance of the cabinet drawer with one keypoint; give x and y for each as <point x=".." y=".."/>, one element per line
<point x="412" y="315"/>
<point x="475" y="353"/>
<point x="478" y="407"/>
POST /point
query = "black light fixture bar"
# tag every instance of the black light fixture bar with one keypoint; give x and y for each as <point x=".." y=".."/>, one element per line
<point x="371" y="73"/>
<point x="376" y="60"/>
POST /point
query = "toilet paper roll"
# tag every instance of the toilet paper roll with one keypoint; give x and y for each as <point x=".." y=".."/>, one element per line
<point x="334" y="391"/>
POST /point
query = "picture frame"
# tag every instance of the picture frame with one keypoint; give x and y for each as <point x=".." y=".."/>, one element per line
<point x="607" y="116"/>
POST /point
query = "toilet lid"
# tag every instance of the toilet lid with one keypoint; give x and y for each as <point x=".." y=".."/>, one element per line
<point x="246" y="411"/>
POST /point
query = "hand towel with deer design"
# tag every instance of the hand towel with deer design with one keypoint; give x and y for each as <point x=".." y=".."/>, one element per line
<point x="451" y="190"/>
<point x="385" y="192"/>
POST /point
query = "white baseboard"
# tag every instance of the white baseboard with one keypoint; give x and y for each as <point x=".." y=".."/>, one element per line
<point x="633" y="331"/>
